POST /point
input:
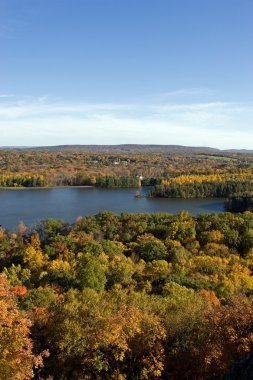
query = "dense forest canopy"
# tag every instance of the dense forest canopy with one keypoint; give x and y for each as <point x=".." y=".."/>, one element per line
<point x="200" y="186"/>
<point x="130" y="296"/>
<point x="33" y="168"/>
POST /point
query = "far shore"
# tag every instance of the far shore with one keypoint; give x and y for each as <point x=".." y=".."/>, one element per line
<point x="41" y="187"/>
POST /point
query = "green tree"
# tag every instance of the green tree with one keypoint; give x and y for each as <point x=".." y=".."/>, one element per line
<point x="150" y="248"/>
<point x="90" y="272"/>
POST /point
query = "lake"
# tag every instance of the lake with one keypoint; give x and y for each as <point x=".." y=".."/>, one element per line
<point x="33" y="205"/>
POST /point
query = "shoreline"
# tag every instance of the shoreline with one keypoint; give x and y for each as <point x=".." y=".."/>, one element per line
<point x="43" y="187"/>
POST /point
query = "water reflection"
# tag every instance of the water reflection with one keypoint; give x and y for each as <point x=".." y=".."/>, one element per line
<point x="32" y="205"/>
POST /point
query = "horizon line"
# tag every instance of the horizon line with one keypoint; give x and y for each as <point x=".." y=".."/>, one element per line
<point x="120" y="144"/>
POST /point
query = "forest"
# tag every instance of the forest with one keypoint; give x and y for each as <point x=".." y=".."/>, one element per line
<point x="130" y="296"/>
<point x="240" y="202"/>
<point x="52" y="168"/>
<point x="201" y="186"/>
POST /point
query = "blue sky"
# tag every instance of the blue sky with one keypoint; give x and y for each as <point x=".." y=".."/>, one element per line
<point x="126" y="71"/>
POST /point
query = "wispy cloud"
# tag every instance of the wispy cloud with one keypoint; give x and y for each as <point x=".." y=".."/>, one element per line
<point x="182" y="92"/>
<point x="6" y="96"/>
<point x="43" y="121"/>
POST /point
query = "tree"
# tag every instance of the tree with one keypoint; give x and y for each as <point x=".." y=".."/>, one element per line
<point x="18" y="276"/>
<point x="120" y="270"/>
<point x="97" y="335"/>
<point x="16" y="357"/>
<point x="150" y="248"/>
<point x="206" y="350"/>
<point x="90" y="272"/>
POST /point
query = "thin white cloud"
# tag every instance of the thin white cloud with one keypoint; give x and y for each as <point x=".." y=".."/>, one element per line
<point x="189" y="91"/>
<point x="45" y="122"/>
<point x="43" y="108"/>
<point x="6" y="95"/>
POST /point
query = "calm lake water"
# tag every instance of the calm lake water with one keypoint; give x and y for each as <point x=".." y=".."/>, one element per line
<point x="33" y="205"/>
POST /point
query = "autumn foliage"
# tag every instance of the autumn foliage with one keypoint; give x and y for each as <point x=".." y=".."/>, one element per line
<point x="16" y="357"/>
<point x="127" y="297"/>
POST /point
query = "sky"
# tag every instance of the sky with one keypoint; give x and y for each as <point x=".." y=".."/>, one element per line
<point x="126" y="71"/>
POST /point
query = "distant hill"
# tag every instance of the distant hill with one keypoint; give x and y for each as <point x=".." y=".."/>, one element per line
<point x="131" y="148"/>
<point x="128" y="148"/>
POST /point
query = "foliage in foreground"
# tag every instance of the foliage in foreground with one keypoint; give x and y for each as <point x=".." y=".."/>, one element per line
<point x="16" y="349"/>
<point x="135" y="296"/>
